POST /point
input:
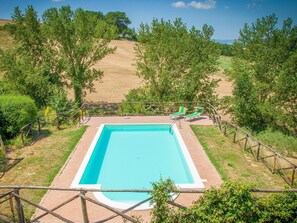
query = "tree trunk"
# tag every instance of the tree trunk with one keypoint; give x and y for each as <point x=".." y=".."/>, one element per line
<point x="78" y="95"/>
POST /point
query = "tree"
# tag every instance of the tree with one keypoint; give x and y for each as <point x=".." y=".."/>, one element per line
<point x="271" y="54"/>
<point x="56" y="53"/>
<point x="175" y="62"/>
<point x="78" y="40"/>
<point x="120" y="20"/>
<point x="27" y="66"/>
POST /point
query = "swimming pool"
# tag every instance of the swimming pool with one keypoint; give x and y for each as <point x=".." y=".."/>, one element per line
<point x="132" y="157"/>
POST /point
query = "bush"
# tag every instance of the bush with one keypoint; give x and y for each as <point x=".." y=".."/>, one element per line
<point x="15" y="112"/>
<point x="280" y="208"/>
<point x="231" y="202"/>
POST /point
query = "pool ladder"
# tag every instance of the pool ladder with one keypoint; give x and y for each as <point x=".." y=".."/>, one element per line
<point x="174" y="122"/>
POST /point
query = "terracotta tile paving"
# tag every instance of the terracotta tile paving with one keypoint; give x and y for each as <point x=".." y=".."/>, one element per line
<point x="72" y="211"/>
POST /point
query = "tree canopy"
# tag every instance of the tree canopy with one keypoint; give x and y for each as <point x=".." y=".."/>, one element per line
<point x="175" y="62"/>
<point x="269" y="55"/>
<point x="56" y="53"/>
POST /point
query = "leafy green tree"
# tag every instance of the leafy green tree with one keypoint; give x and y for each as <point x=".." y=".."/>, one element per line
<point x="175" y="62"/>
<point x="271" y="53"/>
<point x="56" y="53"/>
<point x="120" y="20"/>
<point x="78" y="40"/>
<point x="27" y="66"/>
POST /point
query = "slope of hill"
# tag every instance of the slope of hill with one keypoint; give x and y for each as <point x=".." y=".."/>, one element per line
<point x="119" y="74"/>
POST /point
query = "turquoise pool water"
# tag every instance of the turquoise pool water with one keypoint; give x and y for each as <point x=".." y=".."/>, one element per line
<point x="132" y="157"/>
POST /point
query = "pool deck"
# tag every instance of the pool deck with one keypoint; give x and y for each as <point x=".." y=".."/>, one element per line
<point x="72" y="211"/>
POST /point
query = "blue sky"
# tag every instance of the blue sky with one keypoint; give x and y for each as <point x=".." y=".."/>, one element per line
<point x="226" y="16"/>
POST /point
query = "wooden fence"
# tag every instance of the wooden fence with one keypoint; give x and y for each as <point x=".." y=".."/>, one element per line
<point x="35" y="127"/>
<point x="14" y="200"/>
<point x="274" y="161"/>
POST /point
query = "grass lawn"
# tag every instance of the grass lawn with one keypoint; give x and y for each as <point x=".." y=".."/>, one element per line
<point x="234" y="164"/>
<point x="224" y="62"/>
<point x="42" y="161"/>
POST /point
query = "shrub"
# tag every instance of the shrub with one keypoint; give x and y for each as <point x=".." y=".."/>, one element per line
<point x="15" y="112"/>
<point x="280" y="208"/>
<point x="231" y="202"/>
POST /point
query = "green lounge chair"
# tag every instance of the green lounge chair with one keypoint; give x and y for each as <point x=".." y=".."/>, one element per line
<point x="196" y="114"/>
<point x="181" y="112"/>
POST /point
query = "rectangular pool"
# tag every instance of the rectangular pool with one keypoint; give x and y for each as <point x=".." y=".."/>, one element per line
<point x="132" y="157"/>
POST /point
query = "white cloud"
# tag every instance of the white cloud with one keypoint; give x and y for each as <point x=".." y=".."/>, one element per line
<point x="179" y="4"/>
<point x="254" y="4"/>
<point x="57" y="0"/>
<point x="226" y="7"/>
<point x="207" y="4"/>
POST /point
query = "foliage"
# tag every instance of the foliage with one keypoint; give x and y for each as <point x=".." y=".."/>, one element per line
<point x="231" y="202"/>
<point x="120" y="20"/>
<point x="287" y="145"/>
<point x="27" y="65"/>
<point x="270" y="55"/>
<point x="50" y="115"/>
<point x="162" y="193"/>
<point x="175" y="62"/>
<point x="226" y="49"/>
<point x="59" y="102"/>
<point x="78" y="40"/>
<point x="57" y="53"/>
<point x="280" y="208"/>
<point x="246" y="109"/>
<point x="15" y="112"/>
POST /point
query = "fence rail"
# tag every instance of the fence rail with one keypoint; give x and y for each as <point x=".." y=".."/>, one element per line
<point x="274" y="161"/>
<point x="14" y="200"/>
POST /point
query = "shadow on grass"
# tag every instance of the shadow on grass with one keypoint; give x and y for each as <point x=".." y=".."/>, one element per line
<point x="8" y="163"/>
<point x="38" y="135"/>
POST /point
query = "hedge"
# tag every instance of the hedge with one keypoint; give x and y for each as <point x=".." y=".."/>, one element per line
<point x="15" y="112"/>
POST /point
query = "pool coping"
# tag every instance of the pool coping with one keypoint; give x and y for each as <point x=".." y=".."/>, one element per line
<point x="198" y="183"/>
<point x="64" y="178"/>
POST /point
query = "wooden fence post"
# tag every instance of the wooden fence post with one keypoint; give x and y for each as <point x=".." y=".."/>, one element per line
<point x="2" y="145"/>
<point x="293" y="176"/>
<point x="58" y="122"/>
<point x="274" y="164"/>
<point x="234" y="138"/>
<point x="20" y="211"/>
<point x="39" y="126"/>
<point x="11" y="207"/>
<point x="22" y="137"/>
<point x="258" y="152"/>
<point x="246" y="141"/>
<point x="225" y="128"/>
<point x="84" y="208"/>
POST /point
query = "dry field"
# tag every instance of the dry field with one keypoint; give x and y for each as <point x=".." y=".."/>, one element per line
<point x="4" y="21"/>
<point x="120" y="75"/>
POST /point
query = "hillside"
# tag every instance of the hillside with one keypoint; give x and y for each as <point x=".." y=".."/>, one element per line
<point x="119" y="72"/>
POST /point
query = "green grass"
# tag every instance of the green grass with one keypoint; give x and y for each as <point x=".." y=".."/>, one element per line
<point x="286" y="145"/>
<point x="42" y="162"/>
<point x="224" y="62"/>
<point x="232" y="163"/>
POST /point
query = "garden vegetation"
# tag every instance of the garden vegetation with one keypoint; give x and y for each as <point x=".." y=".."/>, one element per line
<point x="231" y="202"/>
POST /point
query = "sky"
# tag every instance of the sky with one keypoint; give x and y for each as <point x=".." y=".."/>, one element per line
<point x="227" y="17"/>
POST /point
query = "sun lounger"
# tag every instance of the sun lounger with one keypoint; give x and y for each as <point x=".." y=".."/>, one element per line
<point x="181" y="112"/>
<point x="196" y="114"/>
